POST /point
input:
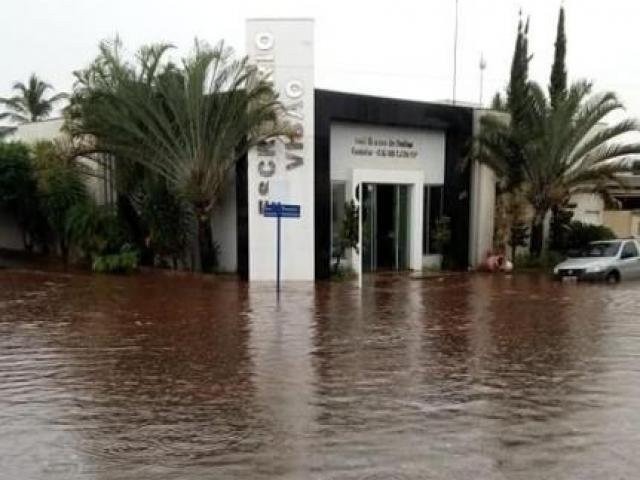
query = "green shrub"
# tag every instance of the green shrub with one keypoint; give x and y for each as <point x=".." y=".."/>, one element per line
<point x="168" y="221"/>
<point x="581" y="234"/>
<point x="95" y="229"/>
<point x="126" y="261"/>
<point x="348" y="237"/>
<point x="62" y="189"/>
<point x="343" y="273"/>
<point x="442" y="234"/>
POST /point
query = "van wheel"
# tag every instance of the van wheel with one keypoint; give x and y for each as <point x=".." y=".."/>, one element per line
<point x="612" y="277"/>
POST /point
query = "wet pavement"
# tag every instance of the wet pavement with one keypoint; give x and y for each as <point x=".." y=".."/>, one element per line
<point x="469" y="376"/>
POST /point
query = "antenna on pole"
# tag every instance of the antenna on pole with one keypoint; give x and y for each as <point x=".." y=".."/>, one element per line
<point x="483" y="66"/>
<point x="455" y="55"/>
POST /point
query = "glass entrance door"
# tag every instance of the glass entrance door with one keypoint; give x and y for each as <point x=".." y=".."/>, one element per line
<point x="385" y="225"/>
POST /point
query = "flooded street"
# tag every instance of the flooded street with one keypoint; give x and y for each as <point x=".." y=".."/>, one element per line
<point x="472" y="376"/>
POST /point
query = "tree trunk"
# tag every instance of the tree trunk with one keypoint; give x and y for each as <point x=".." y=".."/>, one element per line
<point x="205" y="255"/>
<point x="537" y="233"/>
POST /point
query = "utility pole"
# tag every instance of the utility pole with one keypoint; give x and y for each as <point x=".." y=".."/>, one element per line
<point x="455" y="55"/>
<point x="483" y="66"/>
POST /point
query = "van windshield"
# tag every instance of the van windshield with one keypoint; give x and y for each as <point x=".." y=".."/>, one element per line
<point x="609" y="249"/>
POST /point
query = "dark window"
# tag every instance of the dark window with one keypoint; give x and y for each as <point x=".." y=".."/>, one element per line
<point x="630" y="250"/>
<point x="338" y="198"/>
<point x="435" y="213"/>
<point x="432" y="212"/>
<point x="425" y="220"/>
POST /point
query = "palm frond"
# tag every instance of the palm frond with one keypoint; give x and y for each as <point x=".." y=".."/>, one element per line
<point x="187" y="123"/>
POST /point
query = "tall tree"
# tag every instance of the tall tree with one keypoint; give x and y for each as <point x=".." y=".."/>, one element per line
<point x="517" y="91"/>
<point x="557" y="93"/>
<point x="550" y="147"/>
<point x="518" y="104"/>
<point x="568" y="150"/>
<point x="30" y="104"/>
<point x="558" y="82"/>
<point x="188" y="124"/>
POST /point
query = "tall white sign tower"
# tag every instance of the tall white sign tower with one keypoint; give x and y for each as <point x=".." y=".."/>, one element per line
<point x="282" y="49"/>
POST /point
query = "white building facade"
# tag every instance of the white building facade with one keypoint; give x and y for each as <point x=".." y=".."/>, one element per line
<point x="401" y="162"/>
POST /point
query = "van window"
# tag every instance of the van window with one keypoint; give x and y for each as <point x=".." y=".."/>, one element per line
<point x="630" y="250"/>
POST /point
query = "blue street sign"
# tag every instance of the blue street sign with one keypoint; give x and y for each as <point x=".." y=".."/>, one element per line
<point x="279" y="210"/>
<point x="273" y="210"/>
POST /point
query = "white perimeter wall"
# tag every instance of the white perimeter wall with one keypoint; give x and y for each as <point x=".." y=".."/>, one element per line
<point x="481" y="218"/>
<point x="36" y="131"/>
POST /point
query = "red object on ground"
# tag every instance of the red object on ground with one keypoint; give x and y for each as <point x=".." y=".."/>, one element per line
<point x="495" y="263"/>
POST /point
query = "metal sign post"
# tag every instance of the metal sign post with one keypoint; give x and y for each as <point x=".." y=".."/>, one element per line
<point x="278" y="211"/>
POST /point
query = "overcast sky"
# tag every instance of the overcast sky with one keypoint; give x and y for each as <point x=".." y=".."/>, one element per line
<point x="398" y="48"/>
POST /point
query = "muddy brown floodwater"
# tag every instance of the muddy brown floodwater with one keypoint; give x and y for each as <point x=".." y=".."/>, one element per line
<point x="471" y="377"/>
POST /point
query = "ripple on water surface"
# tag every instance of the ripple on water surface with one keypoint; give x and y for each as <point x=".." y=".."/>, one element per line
<point x="176" y="377"/>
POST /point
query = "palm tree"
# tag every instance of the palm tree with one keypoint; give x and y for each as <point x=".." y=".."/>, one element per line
<point x="576" y="151"/>
<point x="566" y="148"/>
<point x="188" y="123"/>
<point x="30" y="105"/>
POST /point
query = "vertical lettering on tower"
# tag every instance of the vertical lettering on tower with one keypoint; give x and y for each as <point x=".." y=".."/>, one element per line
<point x="282" y="52"/>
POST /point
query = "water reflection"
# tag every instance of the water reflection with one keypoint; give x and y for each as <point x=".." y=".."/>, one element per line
<point x="175" y="377"/>
<point x="280" y="342"/>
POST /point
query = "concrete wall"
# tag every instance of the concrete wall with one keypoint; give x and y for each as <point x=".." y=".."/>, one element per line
<point x="589" y="208"/>
<point x="624" y="223"/>
<point x="483" y="200"/>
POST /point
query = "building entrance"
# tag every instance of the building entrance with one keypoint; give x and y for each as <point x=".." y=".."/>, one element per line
<point x="385" y="227"/>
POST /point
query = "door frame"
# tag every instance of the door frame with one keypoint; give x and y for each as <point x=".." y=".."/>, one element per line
<point x="400" y="256"/>
<point x="415" y="180"/>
